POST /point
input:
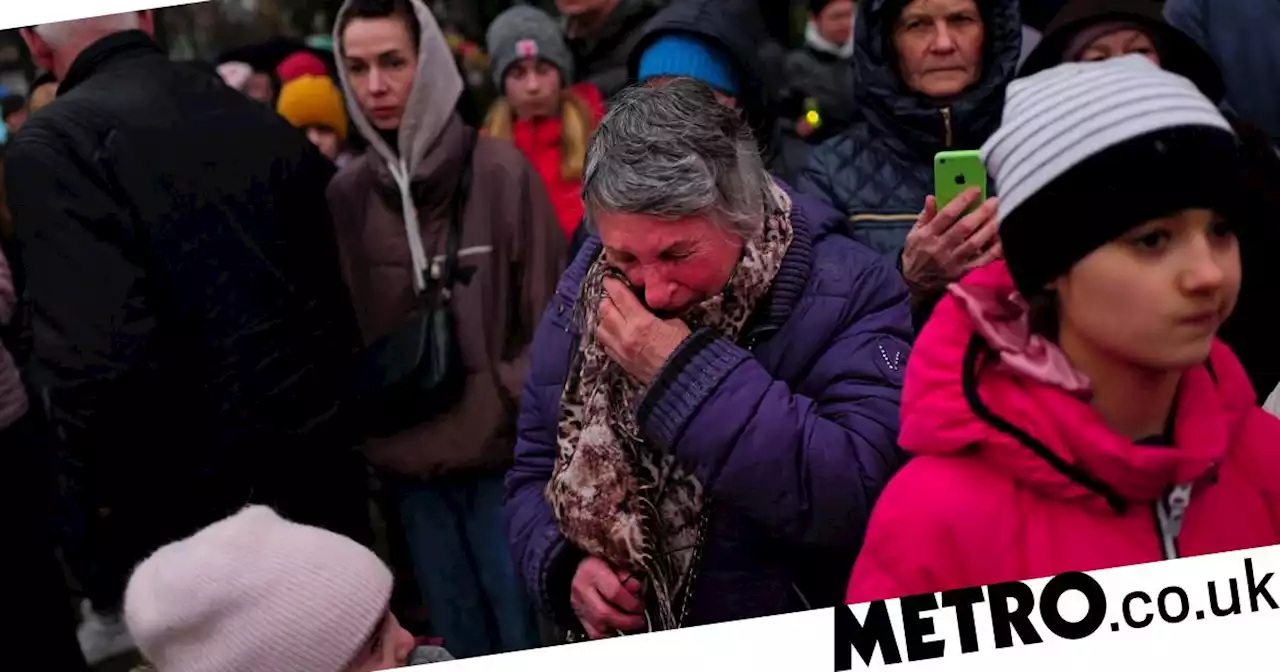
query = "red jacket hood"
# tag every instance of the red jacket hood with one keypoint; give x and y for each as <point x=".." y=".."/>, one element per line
<point x="956" y="400"/>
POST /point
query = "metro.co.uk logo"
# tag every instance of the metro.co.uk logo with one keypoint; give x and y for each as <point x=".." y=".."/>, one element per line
<point x="1069" y="606"/>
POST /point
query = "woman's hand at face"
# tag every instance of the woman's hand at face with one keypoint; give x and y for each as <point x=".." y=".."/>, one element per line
<point x="632" y="336"/>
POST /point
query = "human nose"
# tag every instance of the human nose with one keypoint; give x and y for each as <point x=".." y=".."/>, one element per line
<point x="1206" y="269"/>
<point x="659" y="295"/>
<point x="377" y="83"/>
<point x="943" y="41"/>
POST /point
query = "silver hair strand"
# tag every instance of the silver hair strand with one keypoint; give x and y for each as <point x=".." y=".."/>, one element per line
<point x="672" y="150"/>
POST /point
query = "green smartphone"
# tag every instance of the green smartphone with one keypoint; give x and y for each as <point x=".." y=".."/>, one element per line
<point x="956" y="172"/>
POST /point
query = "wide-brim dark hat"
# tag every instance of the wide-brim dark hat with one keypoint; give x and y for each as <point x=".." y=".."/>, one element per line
<point x="1179" y="54"/>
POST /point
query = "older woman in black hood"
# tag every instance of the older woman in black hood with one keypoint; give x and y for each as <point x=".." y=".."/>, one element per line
<point x="928" y="76"/>
<point x="1089" y="30"/>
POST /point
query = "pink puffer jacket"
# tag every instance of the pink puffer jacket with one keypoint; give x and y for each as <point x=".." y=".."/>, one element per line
<point x="1013" y="478"/>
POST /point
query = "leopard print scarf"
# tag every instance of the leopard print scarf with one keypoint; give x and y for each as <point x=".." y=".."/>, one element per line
<point x="613" y="495"/>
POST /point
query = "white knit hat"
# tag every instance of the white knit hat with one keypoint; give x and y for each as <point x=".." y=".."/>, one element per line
<point x="1087" y="151"/>
<point x="257" y="592"/>
<point x="1057" y="118"/>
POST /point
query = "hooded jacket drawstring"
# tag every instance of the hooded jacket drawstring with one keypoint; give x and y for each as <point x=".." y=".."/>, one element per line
<point x="413" y="231"/>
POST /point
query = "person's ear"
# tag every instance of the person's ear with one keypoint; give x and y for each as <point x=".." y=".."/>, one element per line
<point x="147" y="22"/>
<point x="41" y="52"/>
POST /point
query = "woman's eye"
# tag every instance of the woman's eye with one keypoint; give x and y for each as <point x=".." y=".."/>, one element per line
<point x="1223" y="229"/>
<point x="1151" y="241"/>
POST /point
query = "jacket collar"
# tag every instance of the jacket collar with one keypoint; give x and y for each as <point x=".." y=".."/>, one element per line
<point x="797" y="266"/>
<point x="105" y="52"/>
<point x="434" y="178"/>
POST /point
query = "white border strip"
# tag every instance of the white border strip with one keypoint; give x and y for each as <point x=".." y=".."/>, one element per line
<point x="16" y="14"/>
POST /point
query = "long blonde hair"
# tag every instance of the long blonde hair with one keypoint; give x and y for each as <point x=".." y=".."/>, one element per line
<point x="576" y="127"/>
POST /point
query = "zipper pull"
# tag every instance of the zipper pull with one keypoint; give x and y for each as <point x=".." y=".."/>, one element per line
<point x="1169" y="516"/>
<point x="947" y="138"/>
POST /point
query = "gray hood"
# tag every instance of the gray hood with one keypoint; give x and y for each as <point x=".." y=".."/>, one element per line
<point x="433" y="100"/>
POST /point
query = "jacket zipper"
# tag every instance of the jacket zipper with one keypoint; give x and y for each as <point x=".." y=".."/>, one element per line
<point x="1169" y="512"/>
<point x="871" y="217"/>
<point x="947" y="138"/>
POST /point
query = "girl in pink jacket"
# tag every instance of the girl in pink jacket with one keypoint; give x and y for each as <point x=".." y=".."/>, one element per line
<point x="1070" y="408"/>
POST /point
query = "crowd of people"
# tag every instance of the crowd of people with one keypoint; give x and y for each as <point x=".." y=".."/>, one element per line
<point x="310" y="365"/>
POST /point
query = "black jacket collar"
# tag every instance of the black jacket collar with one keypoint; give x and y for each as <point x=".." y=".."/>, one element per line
<point x="109" y="49"/>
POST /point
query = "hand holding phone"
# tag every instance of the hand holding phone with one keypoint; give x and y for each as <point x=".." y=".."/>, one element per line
<point x="956" y="172"/>
<point x="945" y="243"/>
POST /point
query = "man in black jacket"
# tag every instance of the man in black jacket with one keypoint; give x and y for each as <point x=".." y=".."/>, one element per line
<point x="190" y="337"/>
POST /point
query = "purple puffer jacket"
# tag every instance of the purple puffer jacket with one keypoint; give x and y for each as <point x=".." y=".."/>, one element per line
<point x="792" y="431"/>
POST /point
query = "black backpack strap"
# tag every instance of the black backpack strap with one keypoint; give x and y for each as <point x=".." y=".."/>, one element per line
<point x="453" y="242"/>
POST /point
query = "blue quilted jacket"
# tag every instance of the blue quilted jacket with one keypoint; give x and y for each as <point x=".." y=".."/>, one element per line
<point x="879" y="171"/>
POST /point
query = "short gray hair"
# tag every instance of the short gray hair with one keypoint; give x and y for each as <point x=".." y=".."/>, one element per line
<point x="671" y="150"/>
<point x="60" y="35"/>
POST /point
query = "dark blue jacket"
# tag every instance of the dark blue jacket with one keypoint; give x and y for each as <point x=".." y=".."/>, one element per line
<point x="792" y="430"/>
<point x="879" y="171"/>
<point x="1241" y="37"/>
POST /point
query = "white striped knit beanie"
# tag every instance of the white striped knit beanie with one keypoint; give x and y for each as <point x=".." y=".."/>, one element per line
<point x="1088" y="151"/>
<point x="257" y="592"/>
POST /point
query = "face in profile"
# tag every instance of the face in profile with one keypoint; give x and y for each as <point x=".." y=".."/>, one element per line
<point x="381" y="62"/>
<point x="532" y="86"/>
<point x="939" y="45"/>
<point x="672" y="265"/>
<point x="1155" y="297"/>
<point x="388" y="648"/>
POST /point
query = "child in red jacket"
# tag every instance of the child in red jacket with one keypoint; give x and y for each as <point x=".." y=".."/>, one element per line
<point x="547" y="120"/>
<point x="1070" y="408"/>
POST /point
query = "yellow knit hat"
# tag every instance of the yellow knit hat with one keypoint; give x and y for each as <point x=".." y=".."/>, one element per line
<point x="313" y="101"/>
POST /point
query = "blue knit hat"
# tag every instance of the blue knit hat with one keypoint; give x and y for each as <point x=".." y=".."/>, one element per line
<point x="678" y="55"/>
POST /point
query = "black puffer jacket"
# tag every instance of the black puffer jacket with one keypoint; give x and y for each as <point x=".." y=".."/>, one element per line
<point x="189" y="330"/>
<point x="880" y="170"/>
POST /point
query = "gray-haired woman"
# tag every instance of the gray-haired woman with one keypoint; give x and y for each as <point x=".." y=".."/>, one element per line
<point x="713" y="401"/>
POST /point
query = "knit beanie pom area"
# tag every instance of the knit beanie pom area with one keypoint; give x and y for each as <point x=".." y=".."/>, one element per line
<point x="257" y="592"/>
<point x="1088" y="151"/>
